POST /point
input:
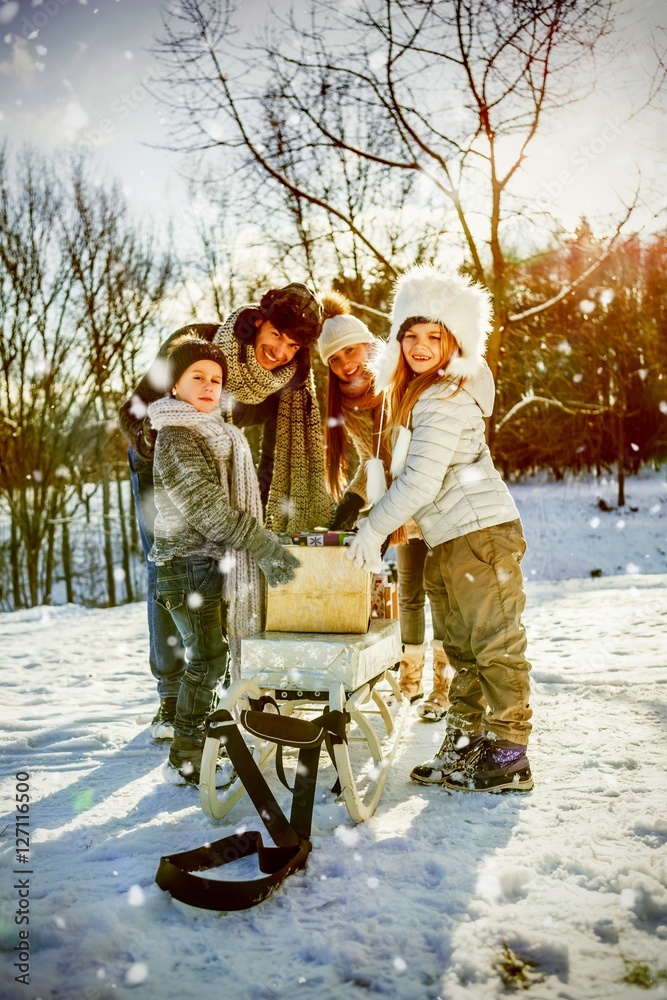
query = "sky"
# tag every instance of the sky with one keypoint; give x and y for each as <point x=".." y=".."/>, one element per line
<point x="77" y="73"/>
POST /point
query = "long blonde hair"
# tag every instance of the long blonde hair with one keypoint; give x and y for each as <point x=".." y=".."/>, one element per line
<point x="406" y="387"/>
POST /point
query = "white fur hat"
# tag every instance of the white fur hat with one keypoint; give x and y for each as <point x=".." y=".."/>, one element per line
<point x="340" y="329"/>
<point x="461" y="305"/>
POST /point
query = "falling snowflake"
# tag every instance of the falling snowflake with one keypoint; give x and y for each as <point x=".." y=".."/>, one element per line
<point x="586" y="306"/>
<point x="157" y="375"/>
<point x="135" y="896"/>
<point x="195" y="601"/>
<point x="137" y="973"/>
<point x="227" y="563"/>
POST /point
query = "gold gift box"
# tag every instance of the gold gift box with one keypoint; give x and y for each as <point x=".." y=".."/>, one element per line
<point x="327" y="594"/>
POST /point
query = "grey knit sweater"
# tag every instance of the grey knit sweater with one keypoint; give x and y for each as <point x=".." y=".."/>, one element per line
<point x="193" y="518"/>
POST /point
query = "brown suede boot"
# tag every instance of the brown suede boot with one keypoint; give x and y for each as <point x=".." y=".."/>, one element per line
<point x="436" y="705"/>
<point x="411" y="670"/>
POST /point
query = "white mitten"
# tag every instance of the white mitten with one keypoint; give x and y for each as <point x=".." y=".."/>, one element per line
<point x="364" y="550"/>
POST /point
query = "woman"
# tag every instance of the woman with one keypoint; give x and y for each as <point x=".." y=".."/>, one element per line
<point x="269" y="382"/>
<point x="354" y="410"/>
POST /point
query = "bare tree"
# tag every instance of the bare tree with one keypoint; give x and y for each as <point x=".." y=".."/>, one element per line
<point x="387" y="116"/>
<point x="79" y="289"/>
<point x="119" y="280"/>
<point x="42" y="396"/>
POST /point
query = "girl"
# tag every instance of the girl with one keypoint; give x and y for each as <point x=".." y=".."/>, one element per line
<point x="208" y="502"/>
<point x="354" y="409"/>
<point x="440" y="391"/>
<point x="269" y="382"/>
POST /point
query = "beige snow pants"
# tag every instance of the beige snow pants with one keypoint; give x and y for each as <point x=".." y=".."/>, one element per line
<point x="485" y="640"/>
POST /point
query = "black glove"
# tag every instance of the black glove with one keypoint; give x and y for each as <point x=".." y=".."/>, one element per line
<point x="147" y="439"/>
<point x="275" y="560"/>
<point x="347" y="512"/>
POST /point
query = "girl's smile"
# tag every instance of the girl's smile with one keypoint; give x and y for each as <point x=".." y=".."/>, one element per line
<point x="422" y="347"/>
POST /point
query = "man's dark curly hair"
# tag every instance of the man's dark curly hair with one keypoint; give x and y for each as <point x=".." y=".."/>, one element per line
<point x="294" y="311"/>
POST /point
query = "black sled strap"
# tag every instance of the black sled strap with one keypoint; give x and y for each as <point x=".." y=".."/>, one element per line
<point x="175" y="872"/>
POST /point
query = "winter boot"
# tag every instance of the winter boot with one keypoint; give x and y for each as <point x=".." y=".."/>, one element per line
<point x="411" y="670"/>
<point x="436" y="705"/>
<point x="497" y="766"/>
<point x="455" y="748"/>
<point x="184" y="763"/>
<point x="162" y="726"/>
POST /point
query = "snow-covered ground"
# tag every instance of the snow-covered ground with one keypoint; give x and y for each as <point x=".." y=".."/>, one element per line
<point x="419" y="901"/>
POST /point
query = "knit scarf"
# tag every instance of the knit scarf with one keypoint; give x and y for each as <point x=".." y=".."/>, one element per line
<point x="359" y="395"/>
<point x="298" y="500"/>
<point x="243" y="587"/>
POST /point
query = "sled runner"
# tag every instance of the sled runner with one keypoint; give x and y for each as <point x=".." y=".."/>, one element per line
<point x="346" y="677"/>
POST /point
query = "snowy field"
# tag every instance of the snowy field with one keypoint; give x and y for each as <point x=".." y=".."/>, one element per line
<point x="420" y="901"/>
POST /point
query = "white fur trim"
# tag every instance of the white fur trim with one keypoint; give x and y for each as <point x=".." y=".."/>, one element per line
<point x="461" y="305"/>
<point x="399" y="453"/>
<point x="376" y="484"/>
<point x="384" y="364"/>
<point x="464" y="367"/>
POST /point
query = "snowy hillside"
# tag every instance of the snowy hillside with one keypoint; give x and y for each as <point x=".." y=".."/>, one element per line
<point x="419" y="902"/>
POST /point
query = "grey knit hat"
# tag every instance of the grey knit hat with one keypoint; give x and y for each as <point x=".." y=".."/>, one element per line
<point x="185" y="352"/>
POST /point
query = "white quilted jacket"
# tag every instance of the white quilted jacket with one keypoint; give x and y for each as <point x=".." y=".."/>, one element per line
<point x="449" y="484"/>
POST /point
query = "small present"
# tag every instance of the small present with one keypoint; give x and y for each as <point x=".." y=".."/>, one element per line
<point x="314" y="539"/>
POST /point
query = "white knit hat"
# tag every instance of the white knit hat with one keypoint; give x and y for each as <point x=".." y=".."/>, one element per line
<point x="340" y="329"/>
<point x="425" y="294"/>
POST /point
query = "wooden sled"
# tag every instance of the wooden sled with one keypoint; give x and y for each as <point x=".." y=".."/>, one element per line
<point x="306" y="673"/>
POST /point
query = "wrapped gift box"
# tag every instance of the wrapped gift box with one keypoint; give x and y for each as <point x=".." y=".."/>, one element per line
<point x="327" y="594"/>
<point x="312" y="662"/>
<point x="315" y="539"/>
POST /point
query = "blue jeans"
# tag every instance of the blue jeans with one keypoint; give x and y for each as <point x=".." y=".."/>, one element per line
<point x="419" y="576"/>
<point x="165" y="649"/>
<point x="190" y="591"/>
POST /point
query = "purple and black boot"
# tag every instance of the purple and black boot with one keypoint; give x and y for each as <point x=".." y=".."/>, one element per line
<point x="495" y="765"/>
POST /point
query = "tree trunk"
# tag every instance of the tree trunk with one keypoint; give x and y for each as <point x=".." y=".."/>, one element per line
<point x="14" y="553"/>
<point x="620" y="440"/>
<point x="53" y="511"/>
<point x="108" y="541"/>
<point x="66" y="558"/>
<point x="127" y="562"/>
<point x="48" y="569"/>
